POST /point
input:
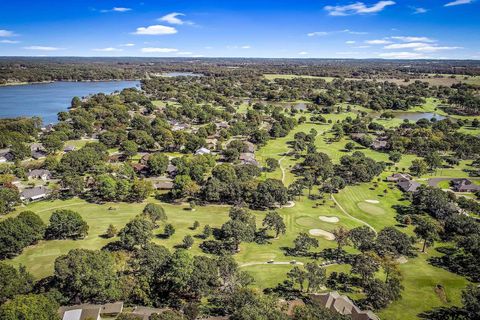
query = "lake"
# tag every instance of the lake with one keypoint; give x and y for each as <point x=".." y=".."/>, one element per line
<point x="415" y="116"/>
<point x="47" y="99"/>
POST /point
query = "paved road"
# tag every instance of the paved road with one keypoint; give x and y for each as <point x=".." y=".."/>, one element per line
<point x="433" y="182"/>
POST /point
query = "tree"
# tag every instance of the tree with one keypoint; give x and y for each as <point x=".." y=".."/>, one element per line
<point x="73" y="184"/>
<point x="341" y="237"/>
<point x="363" y="238"/>
<point x="365" y="265"/>
<point x="52" y="142"/>
<point x="87" y="275"/>
<point x="18" y="232"/>
<point x="157" y="164"/>
<point x="303" y="242"/>
<point x="187" y="242"/>
<point x="167" y="315"/>
<point x="471" y="301"/>
<point x="297" y="275"/>
<point x="129" y="148"/>
<point x="433" y="160"/>
<point x="240" y="227"/>
<point x="195" y="225"/>
<point x="66" y="224"/>
<point x="9" y="198"/>
<point x="272" y="164"/>
<point x="30" y="307"/>
<point x="19" y="151"/>
<point x="141" y="190"/>
<point x="111" y="231"/>
<point x="427" y="229"/>
<point x="207" y="231"/>
<point x="14" y="282"/>
<point x="395" y="156"/>
<point x="269" y="193"/>
<point x="137" y="232"/>
<point x="418" y="167"/>
<point x="169" y="230"/>
<point x="316" y="276"/>
<point x="393" y="242"/>
<point x="274" y="222"/>
<point x="349" y="146"/>
<point x="155" y="212"/>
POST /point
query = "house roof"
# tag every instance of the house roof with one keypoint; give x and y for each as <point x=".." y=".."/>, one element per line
<point x="342" y="305"/>
<point x="34" y="192"/>
<point x="464" y="185"/>
<point x="202" y="150"/>
<point x="80" y="312"/>
<point x="408" y="185"/>
<point x="163" y="185"/>
<point x="39" y="173"/>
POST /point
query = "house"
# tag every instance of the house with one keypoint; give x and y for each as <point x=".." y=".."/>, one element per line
<point x="39" y="174"/>
<point x="379" y="144"/>
<point x="90" y="311"/>
<point x="38" y="154"/>
<point x="144" y="159"/>
<point x="248" y="158"/>
<point x="222" y="125"/>
<point x="145" y="312"/>
<point x="202" y="151"/>
<point x="6" y="156"/>
<point x="35" y="193"/>
<point x="171" y="170"/>
<point x="212" y="143"/>
<point x="250" y="146"/>
<point x="408" y="185"/>
<point x="140" y="168"/>
<point x="342" y="305"/>
<point x="69" y="148"/>
<point x="399" y="177"/>
<point x="163" y="185"/>
<point x="464" y="185"/>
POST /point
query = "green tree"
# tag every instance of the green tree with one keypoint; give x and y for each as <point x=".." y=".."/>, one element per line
<point x="30" y="307"/>
<point x="303" y="242"/>
<point x="274" y="222"/>
<point x="157" y="163"/>
<point x="9" y="198"/>
<point x="363" y="238"/>
<point x="395" y="156"/>
<point x="66" y="224"/>
<point x="419" y="167"/>
<point x="169" y="230"/>
<point x="365" y="265"/>
<point x="137" y="232"/>
<point x="187" y="242"/>
<point x="87" y="275"/>
<point x="129" y="148"/>
<point x="427" y="229"/>
<point x="14" y="282"/>
<point x="111" y="231"/>
<point x="272" y="164"/>
<point x="297" y="275"/>
<point x="155" y="212"/>
<point x="433" y="160"/>
<point x="316" y="276"/>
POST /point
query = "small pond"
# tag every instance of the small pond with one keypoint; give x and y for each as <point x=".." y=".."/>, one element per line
<point x="415" y="116"/>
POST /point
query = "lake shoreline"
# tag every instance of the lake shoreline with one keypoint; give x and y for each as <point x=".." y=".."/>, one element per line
<point x="13" y="84"/>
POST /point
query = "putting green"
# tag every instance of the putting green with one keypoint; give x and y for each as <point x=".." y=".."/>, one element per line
<point x="371" y="208"/>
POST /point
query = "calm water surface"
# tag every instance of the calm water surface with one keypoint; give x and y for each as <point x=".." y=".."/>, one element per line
<point x="415" y="116"/>
<point x="47" y="99"/>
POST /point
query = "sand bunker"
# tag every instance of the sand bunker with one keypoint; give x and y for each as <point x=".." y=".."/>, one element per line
<point x="322" y="233"/>
<point x="289" y="204"/>
<point x="372" y="201"/>
<point x="402" y="260"/>
<point x="329" y="219"/>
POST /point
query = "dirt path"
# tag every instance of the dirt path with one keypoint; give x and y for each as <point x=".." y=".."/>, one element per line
<point x="350" y="216"/>
<point x="282" y="168"/>
<point x="256" y="263"/>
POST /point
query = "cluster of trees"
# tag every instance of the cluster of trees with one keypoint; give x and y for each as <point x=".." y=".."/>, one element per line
<point x="18" y="232"/>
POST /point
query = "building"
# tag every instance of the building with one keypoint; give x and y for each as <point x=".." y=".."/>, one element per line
<point x="399" y="177"/>
<point x="33" y="194"/>
<point x="464" y="185"/>
<point x="90" y="311"/>
<point x="171" y="170"/>
<point x="163" y="185"/>
<point x="6" y="156"/>
<point x="250" y="146"/>
<point x="248" y="158"/>
<point x="408" y="185"/>
<point x="37" y="151"/>
<point x="342" y="305"/>
<point x="145" y="312"/>
<point x="40" y="174"/>
<point x="69" y="148"/>
<point x="202" y="151"/>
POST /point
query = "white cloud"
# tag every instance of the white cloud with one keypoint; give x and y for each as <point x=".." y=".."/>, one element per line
<point x="107" y="49"/>
<point x="302" y="53"/>
<point x="159" y="50"/>
<point x="317" y="34"/>
<point x="435" y="48"/>
<point x="246" y="47"/>
<point x="379" y="41"/>
<point x="128" y="45"/>
<point x="417" y="10"/>
<point x="173" y="18"/>
<point x="6" y="33"/>
<point x="186" y="53"/>
<point x="350" y="42"/>
<point x="354" y="32"/>
<point x="402" y="55"/>
<point x="155" y="30"/>
<point x="361" y="47"/>
<point x="9" y="41"/>
<point x="357" y="8"/>
<point x="409" y="45"/>
<point x="117" y="9"/>
<point x="457" y="3"/>
<point x="413" y="39"/>
<point x="42" y="48"/>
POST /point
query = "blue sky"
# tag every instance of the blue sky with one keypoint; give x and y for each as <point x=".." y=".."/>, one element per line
<point x="231" y="28"/>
